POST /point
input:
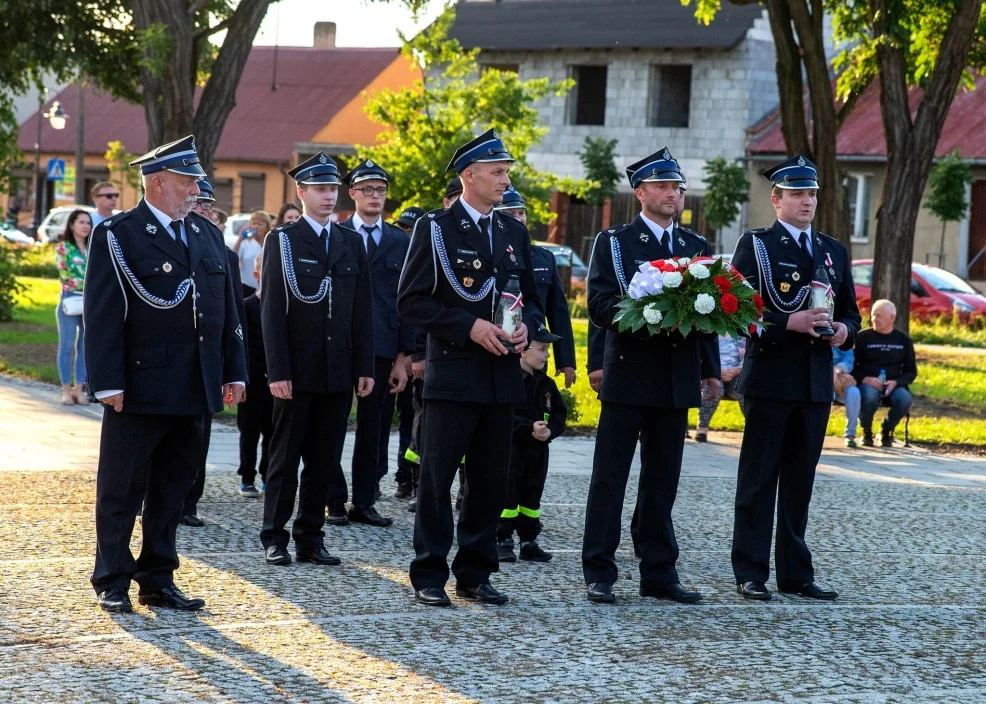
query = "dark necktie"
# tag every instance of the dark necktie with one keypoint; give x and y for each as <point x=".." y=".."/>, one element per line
<point x="176" y="228"/>
<point x="666" y="242"/>
<point x="325" y="238"/>
<point x="484" y="227"/>
<point x="804" y="245"/>
<point x="371" y="244"/>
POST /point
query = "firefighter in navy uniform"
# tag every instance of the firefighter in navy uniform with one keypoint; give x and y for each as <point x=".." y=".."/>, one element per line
<point x="786" y="383"/>
<point x="393" y="340"/>
<point x="460" y="258"/>
<point x="551" y="292"/>
<point x="164" y="347"/>
<point x="648" y="385"/>
<point x="317" y="315"/>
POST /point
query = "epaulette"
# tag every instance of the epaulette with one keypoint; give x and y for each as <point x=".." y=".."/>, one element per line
<point x="615" y="230"/>
<point x="692" y="232"/>
<point x="432" y="214"/>
<point x="286" y="226"/>
<point x="345" y="227"/>
<point x="758" y="231"/>
<point x="114" y="219"/>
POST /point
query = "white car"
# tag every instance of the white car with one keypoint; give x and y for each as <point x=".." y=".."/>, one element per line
<point x="235" y="224"/>
<point x="15" y="237"/>
<point x="52" y="227"/>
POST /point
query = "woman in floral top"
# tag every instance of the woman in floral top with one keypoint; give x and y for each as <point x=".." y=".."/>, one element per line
<point x="71" y="256"/>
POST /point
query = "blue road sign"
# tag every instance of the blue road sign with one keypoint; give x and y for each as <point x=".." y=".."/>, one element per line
<point x="56" y="169"/>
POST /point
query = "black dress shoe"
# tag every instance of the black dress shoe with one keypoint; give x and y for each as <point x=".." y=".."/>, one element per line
<point x="369" y="516"/>
<point x="600" y="593"/>
<point x="277" y="555"/>
<point x="192" y="521"/>
<point x="432" y="596"/>
<point x="115" y="599"/>
<point x="171" y="598"/>
<point x="812" y="590"/>
<point x="317" y="555"/>
<point x="484" y="593"/>
<point x="754" y="590"/>
<point x="674" y="592"/>
<point x="337" y="514"/>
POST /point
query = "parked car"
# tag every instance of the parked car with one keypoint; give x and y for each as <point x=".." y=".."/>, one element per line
<point x="52" y="227"/>
<point x="934" y="291"/>
<point x="235" y="224"/>
<point x="566" y="257"/>
<point x="14" y="237"/>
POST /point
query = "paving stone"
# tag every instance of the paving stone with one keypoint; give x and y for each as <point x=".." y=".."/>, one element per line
<point x="899" y="533"/>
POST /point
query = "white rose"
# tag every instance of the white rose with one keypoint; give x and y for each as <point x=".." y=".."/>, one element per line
<point x="683" y="261"/>
<point x="651" y="314"/>
<point x="672" y="279"/>
<point x="704" y="303"/>
<point x="699" y="270"/>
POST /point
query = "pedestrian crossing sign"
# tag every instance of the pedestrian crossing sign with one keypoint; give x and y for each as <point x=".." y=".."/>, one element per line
<point x="56" y="170"/>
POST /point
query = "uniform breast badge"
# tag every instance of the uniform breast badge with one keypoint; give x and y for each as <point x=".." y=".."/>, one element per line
<point x="796" y="276"/>
<point x="468" y="281"/>
<point x="477" y="264"/>
<point x="785" y="287"/>
<point x="510" y="250"/>
<point x="166" y="267"/>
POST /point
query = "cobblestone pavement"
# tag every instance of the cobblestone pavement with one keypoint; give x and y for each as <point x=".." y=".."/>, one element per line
<point x="899" y="533"/>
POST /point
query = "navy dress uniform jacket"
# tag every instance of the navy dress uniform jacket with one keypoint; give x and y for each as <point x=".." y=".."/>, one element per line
<point x="664" y="370"/>
<point x="391" y="335"/>
<point x="320" y="347"/>
<point x="781" y="364"/>
<point x="165" y="360"/>
<point x="552" y="295"/>
<point x="457" y="368"/>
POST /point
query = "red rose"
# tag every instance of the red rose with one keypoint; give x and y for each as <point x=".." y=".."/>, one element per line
<point x="753" y="330"/>
<point x="723" y="284"/>
<point x="758" y="302"/>
<point x="729" y="303"/>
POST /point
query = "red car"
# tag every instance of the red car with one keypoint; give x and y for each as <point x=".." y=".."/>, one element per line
<point x="934" y="291"/>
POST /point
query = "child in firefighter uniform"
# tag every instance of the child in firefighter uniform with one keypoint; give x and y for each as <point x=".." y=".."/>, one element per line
<point x="538" y="419"/>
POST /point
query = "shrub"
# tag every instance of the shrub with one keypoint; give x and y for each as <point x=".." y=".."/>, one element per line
<point x="572" y="404"/>
<point x="10" y="287"/>
<point x="37" y="262"/>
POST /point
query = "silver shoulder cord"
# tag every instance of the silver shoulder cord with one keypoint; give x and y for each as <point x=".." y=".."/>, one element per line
<point x="621" y="277"/>
<point x="438" y="248"/>
<point x="119" y="264"/>
<point x="766" y="279"/>
<point x="291" y="279"/>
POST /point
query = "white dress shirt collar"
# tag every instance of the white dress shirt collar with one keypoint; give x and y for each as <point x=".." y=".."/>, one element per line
<point x="796" y="233"/>
<point x="165" y="221"/>
<point x="316" y="226"/>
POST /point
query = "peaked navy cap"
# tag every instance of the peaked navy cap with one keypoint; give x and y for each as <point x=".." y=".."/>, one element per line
<point x="410" y="215"/>
<point x="797" y="173"/>
<point x="484" y="148"/>
<point x="659" y="166"/>
<point x="206" y="191"/>
<point x="178" y="156"/>
<point x="320" y="169"/>
<point x="367" y="170"/>
<point x="512" y="200"/>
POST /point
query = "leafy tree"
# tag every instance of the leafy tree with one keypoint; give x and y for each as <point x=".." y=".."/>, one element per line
<point x="905" y="44"/>
<point x="726" y="189"/>
<point x="426" y="123"/>
<point x="946" y="193"/>
<point x="118" y="160"/>
<point x="597" y="159"/>
<point x="153" y="52"/>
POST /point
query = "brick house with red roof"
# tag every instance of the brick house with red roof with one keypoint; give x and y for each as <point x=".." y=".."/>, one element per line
<point x="862" y="154"/>
<point x="291" y="101"/>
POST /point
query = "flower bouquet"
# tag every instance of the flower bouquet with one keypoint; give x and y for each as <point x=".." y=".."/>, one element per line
<point x="704" y="294"/>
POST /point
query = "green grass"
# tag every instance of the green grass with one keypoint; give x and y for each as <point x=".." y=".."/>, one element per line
<point x="950" y="392"/>
<point x="954" y="332"/>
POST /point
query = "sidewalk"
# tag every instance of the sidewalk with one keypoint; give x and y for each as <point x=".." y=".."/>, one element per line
<point x="899" y="533"/>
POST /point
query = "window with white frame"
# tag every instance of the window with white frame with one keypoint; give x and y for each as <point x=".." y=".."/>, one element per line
<point x="857" y="189"/>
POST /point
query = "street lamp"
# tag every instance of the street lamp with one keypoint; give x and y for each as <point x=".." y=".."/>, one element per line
<point x="56" y="117"/>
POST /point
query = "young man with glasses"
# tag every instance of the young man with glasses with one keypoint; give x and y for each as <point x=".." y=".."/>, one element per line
<point x="105" y="196"/>
<point x="393" y="340"/>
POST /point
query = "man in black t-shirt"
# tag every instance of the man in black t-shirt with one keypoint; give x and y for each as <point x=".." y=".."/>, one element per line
<point x="885" y="367"/>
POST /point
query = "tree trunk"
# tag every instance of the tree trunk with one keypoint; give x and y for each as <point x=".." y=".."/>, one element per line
<point x="168" y="76"/>
<point x="911" y="145"/>
<point x="219" y="96"/>
<point x="790" y="89"/>
<point x="832" y="215"/>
